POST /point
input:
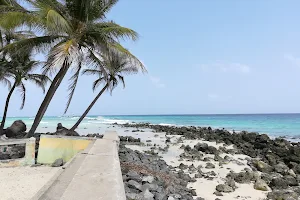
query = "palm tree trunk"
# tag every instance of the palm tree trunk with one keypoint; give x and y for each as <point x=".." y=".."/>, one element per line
<point x="53" y="87"/>
<point x="6" y="108"/>
<point x="88" y="109"/>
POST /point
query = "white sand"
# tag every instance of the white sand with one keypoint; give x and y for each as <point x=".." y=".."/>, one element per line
<point x="204" y="188"/>
<point x="22" y="183"/>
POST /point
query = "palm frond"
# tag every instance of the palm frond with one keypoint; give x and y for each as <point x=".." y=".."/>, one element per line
<point x="27" y="45"/>
<point x="14" y="19"/>
<point x="114" y="30"/>
<point x="95" y="62"/>
<point x="39" y="80"/>
<point x="57" y="23"/>
<point x="24" y="34"/>
<point x="11" y="3"/>
<point x="9" y="8"/>
<point x="6" y="82"/>
<point x="74" y="80"/>
<point x="32" y="65"/>
<point x="98" y="82"/>
<point x="91" y="72"/>
<point x="106" y="6"/>
<point x="134" y="60"/>
<point x="113" y="83"/>
<point x="89" y="10"/>
<point x="122" y="80"/>
<point x="96" y="41"/>
<point x="50" y="4"/>
<point x="65" y="51"/>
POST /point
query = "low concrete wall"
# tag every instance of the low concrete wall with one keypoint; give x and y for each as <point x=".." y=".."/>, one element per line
<point x="28" y="159"/>
<point x="52" y="147"/>
<point x="94" y="173"/>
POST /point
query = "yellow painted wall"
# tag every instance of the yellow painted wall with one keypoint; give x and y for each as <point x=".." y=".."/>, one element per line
<point x="54" y="147"/>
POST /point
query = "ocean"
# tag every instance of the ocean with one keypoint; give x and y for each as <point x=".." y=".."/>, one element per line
<point x="271" y="124"/>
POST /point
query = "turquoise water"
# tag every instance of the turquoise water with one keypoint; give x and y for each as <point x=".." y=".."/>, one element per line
<point x="272" y="124"/>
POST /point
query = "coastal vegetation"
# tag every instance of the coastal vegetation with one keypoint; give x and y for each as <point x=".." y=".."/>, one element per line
<point x="16" y="69"/>
<point x="74" y="36"/>
<point x="116" y="66"/>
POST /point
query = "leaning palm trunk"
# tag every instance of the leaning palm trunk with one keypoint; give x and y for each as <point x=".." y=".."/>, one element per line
<point x="89" y="108"/>
<point x="53" y="87"/>
<point x="6" y="108"/>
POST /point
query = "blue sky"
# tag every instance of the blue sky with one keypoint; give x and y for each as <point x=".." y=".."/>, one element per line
<point x="202" y="56"/>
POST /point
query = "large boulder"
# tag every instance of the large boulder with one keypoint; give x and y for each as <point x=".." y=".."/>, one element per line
<point x="134" y="184"/>
<point x="267" y="177"/>
<point x="296" y="168"/>
<point x="279" y="183"/>
<point x="261" y="185"/>
<point x="272" y="158"/>
<point x="147" y="195"/>
<point x="60" y="130"/>
<point x="243" y="177"/>
<point x="282" y="195"/>
<point x="281" y="168"/>
<point x="17" y="129"/>
<point x="210" y="166"/>
<point x="292" y="181"/>
<point x="262" y="166"/>
<point x="58" y="162"/>
<point x="224" y="188"/>
<point x="201" y="147"/>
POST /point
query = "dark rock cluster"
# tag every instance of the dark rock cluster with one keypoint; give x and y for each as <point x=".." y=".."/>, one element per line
<point x="94" y="135"/>
<point x="129" y="139"/>
<point x="16" y="130"/>
<point x="12" y="151"/>
<point x="278" y="160"/>
<point x="148" y="177"/>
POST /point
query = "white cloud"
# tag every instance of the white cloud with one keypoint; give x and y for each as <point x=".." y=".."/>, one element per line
<point x="292" y="59"/>
<point x="227" y="67"/>
<point x="157" y="82"/>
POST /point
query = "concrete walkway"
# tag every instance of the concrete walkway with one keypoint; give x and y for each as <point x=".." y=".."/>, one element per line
<point x="93" y="174"/>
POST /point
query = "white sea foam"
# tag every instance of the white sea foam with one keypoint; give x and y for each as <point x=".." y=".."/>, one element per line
<point x="109" y="121"/>
<point x="91" y="118"/>
<point x="163" y="124"/>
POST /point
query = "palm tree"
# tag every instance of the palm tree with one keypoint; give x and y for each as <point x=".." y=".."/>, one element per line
<point x="3" y="75"/>
<point x="19" y="70"/>
<point x="116" y="65"/>
<point x="16" y="67"/>
<point x="76" y="31"/>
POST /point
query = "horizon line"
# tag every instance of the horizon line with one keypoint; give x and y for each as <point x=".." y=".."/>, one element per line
<point x="162" y="114"/>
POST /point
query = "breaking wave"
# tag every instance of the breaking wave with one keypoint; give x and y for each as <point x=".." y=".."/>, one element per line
<point x="98" y="120"/>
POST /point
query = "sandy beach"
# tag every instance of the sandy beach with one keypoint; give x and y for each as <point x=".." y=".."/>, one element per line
<point x="22" y="183"/>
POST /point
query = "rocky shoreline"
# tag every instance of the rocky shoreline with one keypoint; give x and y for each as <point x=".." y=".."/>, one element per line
<point x="169" y="163"/>
<point x="271" y="165"/>
<point x="148" y="177"/>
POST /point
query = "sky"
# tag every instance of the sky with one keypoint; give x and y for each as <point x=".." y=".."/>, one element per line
<point x="203" y="57"/>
